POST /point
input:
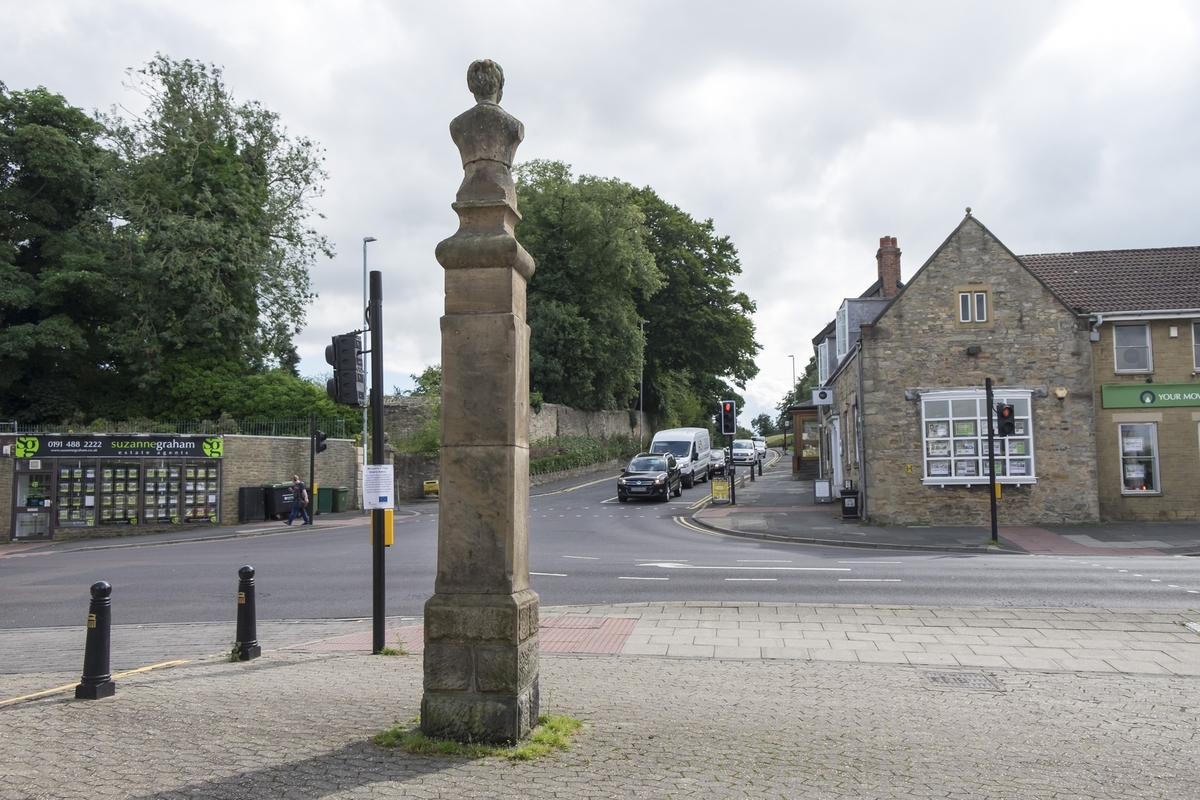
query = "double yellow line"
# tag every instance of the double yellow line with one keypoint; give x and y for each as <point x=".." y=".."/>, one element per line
<point x="69" y="686"/>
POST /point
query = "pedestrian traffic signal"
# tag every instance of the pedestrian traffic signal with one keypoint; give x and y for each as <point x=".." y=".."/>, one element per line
<point x="319" y="441"/>
<point x="728" y="417"/>
<point x="1006" y="415"/>
<point x="348" y="386"/>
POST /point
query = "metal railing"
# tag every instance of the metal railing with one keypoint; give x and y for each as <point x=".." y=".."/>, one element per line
<point x="335" y="428"/>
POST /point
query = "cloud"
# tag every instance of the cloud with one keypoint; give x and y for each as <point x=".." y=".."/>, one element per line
<point x="805" y="130"/>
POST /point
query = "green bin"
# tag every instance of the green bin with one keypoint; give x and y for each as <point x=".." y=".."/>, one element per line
<point x="341" y="499"/>
<point x="324" y="499"/>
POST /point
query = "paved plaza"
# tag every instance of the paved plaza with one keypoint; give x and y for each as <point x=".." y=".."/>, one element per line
<point x="677" y="700"/>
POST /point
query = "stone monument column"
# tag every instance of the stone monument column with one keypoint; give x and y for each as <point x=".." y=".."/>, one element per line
<point x="481" y="624"/>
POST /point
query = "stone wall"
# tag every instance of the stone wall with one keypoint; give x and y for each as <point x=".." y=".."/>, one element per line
<point x="1030" y="340"/>
<point x="262" y="460"/>
<point x="1178" y="429"/>
<point x="555" y="420"/>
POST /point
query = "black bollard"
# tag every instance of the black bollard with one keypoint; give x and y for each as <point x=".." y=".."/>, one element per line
<point x="97" y="682"/>
<point x="247" y="633"/>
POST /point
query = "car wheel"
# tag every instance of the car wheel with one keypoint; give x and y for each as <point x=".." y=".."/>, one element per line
<point x="679" y="490"/>
<point x="666" y="496"/>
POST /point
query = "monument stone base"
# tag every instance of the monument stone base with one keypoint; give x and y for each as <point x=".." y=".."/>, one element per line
<point x="481" y="667"/>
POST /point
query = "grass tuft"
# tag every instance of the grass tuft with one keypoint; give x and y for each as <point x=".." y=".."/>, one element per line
<point x="552" y="733"/>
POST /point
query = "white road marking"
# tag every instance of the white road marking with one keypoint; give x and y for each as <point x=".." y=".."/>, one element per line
<point x="868" y="580"/>
<point x="550" y="574"/>
<point x="680" y="565"/>
<point x="752" y="579"/>
<point x="870" y="562"/>
<point x="764" y="561"/>
<point x="585" y="558"/>
<point x="628" y="578"/>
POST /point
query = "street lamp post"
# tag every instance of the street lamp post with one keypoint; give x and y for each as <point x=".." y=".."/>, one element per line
<point x="366" y="325"/>
<point x="642" y="376"/>
<point x="794" y="400"/>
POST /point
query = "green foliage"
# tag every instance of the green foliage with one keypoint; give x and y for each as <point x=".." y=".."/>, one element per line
<point x="427" y="437"/>
<point x="588" y="240"/>
<point x="428" y="383"/>
<point x="148" y="265"/>
<point x="567" y="452"/>
<point x="699" y="333"/>
<point x="764" y="426"/>
<point x="553" y="733"/>
<point x="802" y="392"/>
<point x="56" y="305"/>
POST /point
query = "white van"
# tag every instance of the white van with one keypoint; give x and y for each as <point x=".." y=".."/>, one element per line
<point x="690" y="447"/>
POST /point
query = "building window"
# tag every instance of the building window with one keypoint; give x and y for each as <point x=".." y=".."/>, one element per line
<point x="843" y="335"/>
<point x="823" y="362"/>
<point x="972" y="307"/>
<point x="1196" y="346"/>
<point x="955" y="441"/>
<point x="1139" y="458"/>
<point x="1131" y="344"/>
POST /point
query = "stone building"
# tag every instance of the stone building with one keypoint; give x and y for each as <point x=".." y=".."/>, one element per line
<point x="907" y="367"/>
<point x="1144" y="310"/>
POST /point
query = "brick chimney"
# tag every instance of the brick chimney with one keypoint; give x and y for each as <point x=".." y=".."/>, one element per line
<point x="889" y="266"/>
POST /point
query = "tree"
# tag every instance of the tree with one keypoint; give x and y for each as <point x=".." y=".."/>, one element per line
<point x="428" y="383"/>
<point x="700" y="338"/>
<point x="213" y="247"/>
<point x="587" y="238"/>
<point x="609" y="257"/>
<point x="799" y="394"/>
<point x="54" y="304"/>
<point x="764" y="426"/>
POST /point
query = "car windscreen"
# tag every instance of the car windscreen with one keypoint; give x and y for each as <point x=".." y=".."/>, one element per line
<point x="648" y="465"/>
<point x="674" y="448"/>
<point x="743" y="446"/>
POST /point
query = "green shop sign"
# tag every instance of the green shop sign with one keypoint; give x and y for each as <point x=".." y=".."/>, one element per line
<point x="117" y="445"/>
<point x="1150" y="395"/>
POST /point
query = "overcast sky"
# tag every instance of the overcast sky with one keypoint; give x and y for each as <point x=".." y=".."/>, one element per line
<point x="804" y="130"/>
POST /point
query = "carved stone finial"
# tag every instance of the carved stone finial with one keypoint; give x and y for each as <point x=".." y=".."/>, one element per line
<point x="968" y="211"/>
<point x="485" y="79"/>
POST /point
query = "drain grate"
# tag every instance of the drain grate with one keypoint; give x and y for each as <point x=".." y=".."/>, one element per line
<point x="963" y="680"/>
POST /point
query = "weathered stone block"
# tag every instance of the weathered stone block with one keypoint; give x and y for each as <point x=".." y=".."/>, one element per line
<point x="448" y="667"/>
<point x="495" y="719"/>
<point x="485" y="380"/>
<point x="484" y="520"/>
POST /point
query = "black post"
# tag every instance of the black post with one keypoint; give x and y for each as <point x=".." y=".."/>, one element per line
<point x="991" y="462"/>
<point x="247" y="629"/>
<point x="97" y="682"/>
<point x="312" y="465"/>
<point x="375" y="310"/>
<point x="732" y="474"/>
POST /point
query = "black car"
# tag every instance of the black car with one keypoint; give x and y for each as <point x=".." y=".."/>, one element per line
<point x="650" y="475"/>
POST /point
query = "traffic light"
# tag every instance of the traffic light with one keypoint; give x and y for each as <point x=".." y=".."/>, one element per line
<point x="348" y="385"/>
<point x="728" y="417"/>
<point x="319" y="441"/>
<point x="1006" y="415"/>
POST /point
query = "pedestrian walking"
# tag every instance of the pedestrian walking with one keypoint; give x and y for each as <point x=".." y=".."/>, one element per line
<point x="299" y="502"/>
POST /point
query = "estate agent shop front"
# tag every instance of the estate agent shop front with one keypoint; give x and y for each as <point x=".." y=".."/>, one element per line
<point x="70" y="481"/>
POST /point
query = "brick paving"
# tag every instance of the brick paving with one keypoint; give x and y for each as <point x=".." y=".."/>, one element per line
<point x="704" y="700"/>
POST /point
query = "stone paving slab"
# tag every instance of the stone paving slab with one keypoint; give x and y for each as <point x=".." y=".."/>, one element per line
<point x="295" y="724"/>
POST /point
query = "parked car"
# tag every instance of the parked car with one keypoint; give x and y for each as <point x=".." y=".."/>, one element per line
<point x="760" y="446"/>
<point x="716" y="461"/>
<point x="690" y="447"/>
<point x="743" y="453"/>
<point x="650" y="475"/>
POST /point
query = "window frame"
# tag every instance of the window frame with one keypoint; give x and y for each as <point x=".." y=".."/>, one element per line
<point x="842" y="332"/>
<point x="956" y="442"/>
<point x="974" y="305"/>
<point x="1125" y="459"/>
<point x="1118" y="349"/>
<point x="823" y="362"/>
<point x="1196" y="346"/>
